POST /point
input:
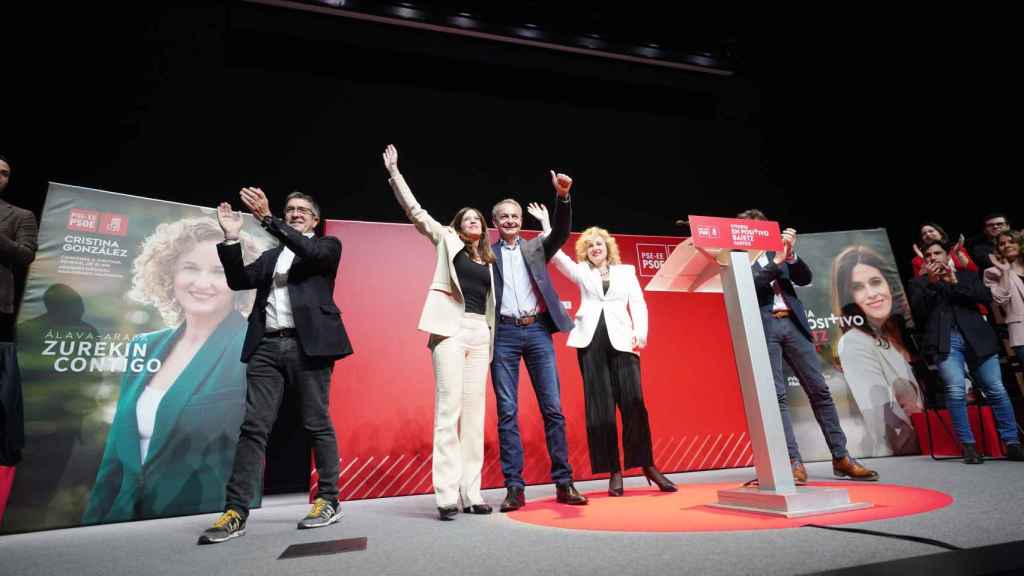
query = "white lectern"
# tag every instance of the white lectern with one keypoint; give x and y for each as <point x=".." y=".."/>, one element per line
<point x="718" y="258"/>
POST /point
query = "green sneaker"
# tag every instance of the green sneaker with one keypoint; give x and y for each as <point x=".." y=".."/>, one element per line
<point x="228" y="526"/>
<point x="322" y="514"/>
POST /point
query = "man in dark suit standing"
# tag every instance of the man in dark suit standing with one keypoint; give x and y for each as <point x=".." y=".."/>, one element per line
<point x="789" y="338"/>
<point x="295" y="335"/>
<point x="945" y="301"/>
<point x="18" y="243"/>
<point x="529" y="312"/>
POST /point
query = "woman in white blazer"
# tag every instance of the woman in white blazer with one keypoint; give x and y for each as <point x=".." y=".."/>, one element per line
<point x="1005" y="279"/>
<point x="873" y="353"/>
<point x="610" y="327"/>
<point x="459" y="316"/>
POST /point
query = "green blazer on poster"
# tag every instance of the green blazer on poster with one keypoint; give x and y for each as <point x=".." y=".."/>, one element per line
<point x="193" y="444"/>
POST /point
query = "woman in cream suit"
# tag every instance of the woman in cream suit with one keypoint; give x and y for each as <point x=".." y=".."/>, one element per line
<point x="610" y="327"/>
<point x="1005" y="279"/>
<point x="459" y="316"/>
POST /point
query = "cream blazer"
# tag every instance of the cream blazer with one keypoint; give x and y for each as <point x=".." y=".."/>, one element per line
<point x="1008" y="295"/>
<point x="443" y="310"/>
<point x="623" y="289"/>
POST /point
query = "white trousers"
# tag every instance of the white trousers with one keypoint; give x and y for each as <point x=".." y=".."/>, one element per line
<point x="460" y="391"/>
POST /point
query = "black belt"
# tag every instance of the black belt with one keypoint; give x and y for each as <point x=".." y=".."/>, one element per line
<point x="282" y="333"/>
<point x="521" y="321"/>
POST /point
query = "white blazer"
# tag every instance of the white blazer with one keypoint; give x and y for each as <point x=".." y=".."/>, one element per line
<point x="623" y="289"/>
<point x="444" y="307"/>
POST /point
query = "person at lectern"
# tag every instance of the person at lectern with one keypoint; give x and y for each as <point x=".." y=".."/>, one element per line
<point x="609" y="332"/>
<point x="955" y="336"/>
<point x="459" y="316"/>
<point x="789" y="338"/>
<point x="294" y="337"/>
<point x="164" y="454"/>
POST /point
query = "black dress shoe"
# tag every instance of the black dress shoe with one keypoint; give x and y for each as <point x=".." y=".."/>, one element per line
<point x="970" y="453"/>
<point x="447" y="512"/>
<point x="1014" y="452"/>
<point x="477" y="509"/>
<point x="615" y="484"/>
<point x="514" y="500"/>
<point x="653" y="475"/>
<point x="568" y="494"/>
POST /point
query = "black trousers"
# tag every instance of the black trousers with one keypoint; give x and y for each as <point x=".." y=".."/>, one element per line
<point x="612" y="378"/>
<point x="276" y="363"/>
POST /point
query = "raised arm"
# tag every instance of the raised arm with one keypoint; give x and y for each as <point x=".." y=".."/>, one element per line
<point x="567" y="267"/>
<point x="326" y="251"/>
<point x="238" y="275"/>
<point x="563" y="215"/>
<point x="419" y="217"/>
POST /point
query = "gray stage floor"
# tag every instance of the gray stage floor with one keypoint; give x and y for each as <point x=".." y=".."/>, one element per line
<point x="405" y="537"/>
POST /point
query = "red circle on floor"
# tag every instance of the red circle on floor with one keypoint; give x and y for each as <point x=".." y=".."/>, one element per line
<point x="688" y="510"/>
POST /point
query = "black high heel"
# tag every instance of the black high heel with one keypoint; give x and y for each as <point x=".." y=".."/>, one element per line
<point x="615" y="484"/>
<point x="653" y="475"/>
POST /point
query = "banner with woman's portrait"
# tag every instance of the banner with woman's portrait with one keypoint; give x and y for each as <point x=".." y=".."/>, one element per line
<point x="129" y="342"/>
<point x="858" y="312"/>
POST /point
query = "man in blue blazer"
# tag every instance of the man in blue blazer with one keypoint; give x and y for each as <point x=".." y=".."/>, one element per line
<point x="294" y="337"/>
<point x="529" y="312"/>
<point x="789" y="338"/>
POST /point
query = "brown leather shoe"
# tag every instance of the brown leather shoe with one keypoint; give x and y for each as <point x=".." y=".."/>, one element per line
<point x="847" y="467"/>
<point x="568" y="494"/>
<point x="799" y="473"/>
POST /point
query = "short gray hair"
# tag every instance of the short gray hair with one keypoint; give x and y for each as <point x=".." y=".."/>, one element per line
<point x="307" y="198"/>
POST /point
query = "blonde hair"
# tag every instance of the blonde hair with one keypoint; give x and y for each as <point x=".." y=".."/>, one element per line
<point x="609" y="241"/>
<point x="154" y="268"/>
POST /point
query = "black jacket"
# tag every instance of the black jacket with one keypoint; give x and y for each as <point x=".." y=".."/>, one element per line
<point x="787" y="275"/>
<point x="937" y="306"/>
<point x="310" y="288"/>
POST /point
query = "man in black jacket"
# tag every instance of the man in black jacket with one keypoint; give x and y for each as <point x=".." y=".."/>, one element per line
<point x="944" y="302"/>
<point x="789" y="338"/>
<point x="295" y="335"/>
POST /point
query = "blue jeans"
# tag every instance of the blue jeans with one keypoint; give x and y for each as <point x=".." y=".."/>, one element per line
<point x="787" y="342"/>
<point x="989" y="377"/>
<point x="533" y="345"/>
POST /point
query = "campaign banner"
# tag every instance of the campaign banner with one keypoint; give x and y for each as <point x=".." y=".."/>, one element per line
<point x="859" y="316"/>
<point x="735" y="233"/>
<point x="129" y="343"/>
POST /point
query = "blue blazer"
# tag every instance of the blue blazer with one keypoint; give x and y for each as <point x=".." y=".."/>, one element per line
<point x="788" y="276"/>
<point x="193" y="446"/>
<point x="537" y="252"/>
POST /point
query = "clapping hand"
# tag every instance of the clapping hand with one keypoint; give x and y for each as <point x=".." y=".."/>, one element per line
<point x="230" y="221"/>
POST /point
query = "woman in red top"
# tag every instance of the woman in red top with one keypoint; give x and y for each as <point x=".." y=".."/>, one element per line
<point x="930" y="231"/>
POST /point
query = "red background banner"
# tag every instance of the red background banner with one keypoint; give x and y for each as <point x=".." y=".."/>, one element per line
<point x="382" y="396"/>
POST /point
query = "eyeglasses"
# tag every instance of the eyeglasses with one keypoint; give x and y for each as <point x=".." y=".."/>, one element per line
<point x="1002" y="224"/>
<point x="300" y="209"/>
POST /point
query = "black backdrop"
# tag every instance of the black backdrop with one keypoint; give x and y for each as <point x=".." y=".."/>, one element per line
<point x="839" y="124"/>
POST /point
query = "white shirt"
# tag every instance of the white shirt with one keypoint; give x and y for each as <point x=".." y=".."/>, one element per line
<point x="518" y="297"/>
<point x="279" y="302"/>
<point x="145" y="414"/>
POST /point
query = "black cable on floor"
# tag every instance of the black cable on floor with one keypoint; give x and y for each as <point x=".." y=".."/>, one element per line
<point x="917" y="539"/>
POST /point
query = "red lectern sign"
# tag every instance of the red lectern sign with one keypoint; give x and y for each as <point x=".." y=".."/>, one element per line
<point x="735" y="234"/>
